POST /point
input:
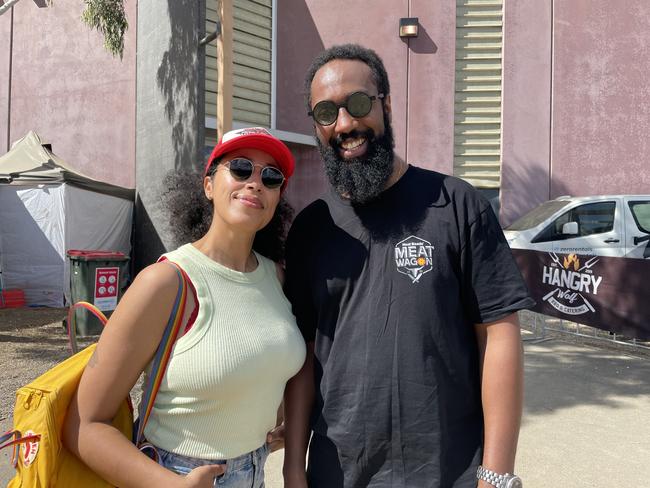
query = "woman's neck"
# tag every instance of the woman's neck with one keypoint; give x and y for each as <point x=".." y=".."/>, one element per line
<point x="231" y="249"/>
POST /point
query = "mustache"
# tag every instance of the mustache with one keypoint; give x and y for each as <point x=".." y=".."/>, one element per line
<point x="336" y="141"/>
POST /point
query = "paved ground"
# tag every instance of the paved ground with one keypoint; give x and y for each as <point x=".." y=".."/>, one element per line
<point x="586" y="421"/>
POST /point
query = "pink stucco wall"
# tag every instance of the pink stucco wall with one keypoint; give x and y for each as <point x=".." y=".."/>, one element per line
<point x="308" y="181"/>
<point x="68" y="89"/>
<point x="601" y="97"/>
<point x="431" y="68"/>
<point x="526" y="107"/>
<point x="5" y="35"/>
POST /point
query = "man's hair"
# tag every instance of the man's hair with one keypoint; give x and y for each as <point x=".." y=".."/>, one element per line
<point x="353" y="52"/>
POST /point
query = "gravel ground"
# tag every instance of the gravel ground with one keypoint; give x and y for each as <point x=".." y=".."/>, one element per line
<point x="32" y="340"/>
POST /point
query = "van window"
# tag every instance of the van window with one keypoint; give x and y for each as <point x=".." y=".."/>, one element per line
<point x="592" y="218"/>
<point x="538" y="215"/>
<point x="641" y="214"/>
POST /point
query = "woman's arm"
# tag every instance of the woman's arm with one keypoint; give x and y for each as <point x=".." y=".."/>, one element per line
<point x="124" y="349"/>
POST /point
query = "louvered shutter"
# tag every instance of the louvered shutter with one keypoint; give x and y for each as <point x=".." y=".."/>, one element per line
<point x="477" y="120"/>
<point x="211" y="63"/>
<point x="252" y="36"/>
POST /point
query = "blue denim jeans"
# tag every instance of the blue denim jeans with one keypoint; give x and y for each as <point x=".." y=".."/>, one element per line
<point x="245" y="471"/>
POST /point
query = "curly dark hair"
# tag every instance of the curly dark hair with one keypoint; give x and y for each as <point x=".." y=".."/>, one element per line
<point x="353" y="52"/>
<point x="190" y="214"/>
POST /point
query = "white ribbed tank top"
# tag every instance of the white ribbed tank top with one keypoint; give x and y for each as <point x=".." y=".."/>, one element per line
<point x="226" y="375"/>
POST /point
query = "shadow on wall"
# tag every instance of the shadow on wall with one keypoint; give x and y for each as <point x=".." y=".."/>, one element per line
<point x="524" y="186"/>
<point x="176" y="79"/>
<point x="422" y="44"/>
<point x="147" y="244"/>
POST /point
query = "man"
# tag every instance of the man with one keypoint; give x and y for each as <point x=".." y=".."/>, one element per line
<point x="405" y="291"/>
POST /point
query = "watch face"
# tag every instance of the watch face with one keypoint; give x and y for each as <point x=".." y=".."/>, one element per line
<point x="514" y="482"/>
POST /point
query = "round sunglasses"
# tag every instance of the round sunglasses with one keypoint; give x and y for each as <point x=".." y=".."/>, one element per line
<point x="241" y="169"/>
<point x="357" y="104"/>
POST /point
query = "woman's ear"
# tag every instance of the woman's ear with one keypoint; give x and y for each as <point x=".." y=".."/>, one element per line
<point x="207" y="187"/>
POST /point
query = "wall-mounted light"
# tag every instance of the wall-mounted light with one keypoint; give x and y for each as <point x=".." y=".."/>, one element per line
<point x="408" y="27"/>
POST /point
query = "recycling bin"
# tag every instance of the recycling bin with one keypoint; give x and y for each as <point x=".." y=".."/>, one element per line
<point x="97" y="277"/>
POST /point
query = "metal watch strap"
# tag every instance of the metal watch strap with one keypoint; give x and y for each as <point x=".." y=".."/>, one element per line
<point x="495" y="479"/>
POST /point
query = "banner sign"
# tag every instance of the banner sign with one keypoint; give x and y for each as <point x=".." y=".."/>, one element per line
<point x="106" y="288"/>
<point x="604" y="292"/>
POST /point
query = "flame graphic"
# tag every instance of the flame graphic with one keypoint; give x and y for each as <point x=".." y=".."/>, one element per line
<point x="572" y="259"/>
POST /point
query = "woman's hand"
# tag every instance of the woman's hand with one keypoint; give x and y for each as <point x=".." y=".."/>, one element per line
<point x="203" y="476"/>
<point x="275" y="438"/>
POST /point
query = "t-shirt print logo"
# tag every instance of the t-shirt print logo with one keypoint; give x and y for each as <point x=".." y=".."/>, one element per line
<point x="413" y="257"/>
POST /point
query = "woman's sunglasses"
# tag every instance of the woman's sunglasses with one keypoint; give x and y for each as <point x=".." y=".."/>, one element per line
<point x="241" y="169"/>
<point x="358" y="105"/>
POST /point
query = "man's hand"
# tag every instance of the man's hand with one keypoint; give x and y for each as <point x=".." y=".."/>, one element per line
<point x="275" y="438"/>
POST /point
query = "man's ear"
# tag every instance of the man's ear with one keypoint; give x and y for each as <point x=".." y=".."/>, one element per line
<point x="388" y="109"/>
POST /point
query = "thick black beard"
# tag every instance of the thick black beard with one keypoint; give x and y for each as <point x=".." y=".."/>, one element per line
<point x="360" y="179"/>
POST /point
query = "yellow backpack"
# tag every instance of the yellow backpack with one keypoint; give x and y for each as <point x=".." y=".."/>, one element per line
<point x="40" y="459"/>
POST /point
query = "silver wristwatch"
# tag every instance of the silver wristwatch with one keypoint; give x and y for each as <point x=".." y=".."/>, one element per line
<point x="497" y="480"/>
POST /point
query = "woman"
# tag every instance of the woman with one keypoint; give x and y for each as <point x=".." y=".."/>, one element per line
<point x="226" y="375"/>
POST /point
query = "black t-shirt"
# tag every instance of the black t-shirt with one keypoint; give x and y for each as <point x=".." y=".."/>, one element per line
<point x="389" y="292"/>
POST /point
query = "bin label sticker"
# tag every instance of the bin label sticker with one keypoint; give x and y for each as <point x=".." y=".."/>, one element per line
<point x="106" y="287"/>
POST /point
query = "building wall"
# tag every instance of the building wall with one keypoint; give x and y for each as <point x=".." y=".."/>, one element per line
<point x="576" y="101"/>
<point x="308" y="181"/>
<point x="601" y="97"/>
<point x="526" y="111"/>
<point x="430" y="90"/>
<point x="170" y="112"/>
<point x="70" y="90"/>
<point x="5" y="40"/>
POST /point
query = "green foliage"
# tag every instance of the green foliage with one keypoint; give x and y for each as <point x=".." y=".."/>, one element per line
<point x="109" y="18"/>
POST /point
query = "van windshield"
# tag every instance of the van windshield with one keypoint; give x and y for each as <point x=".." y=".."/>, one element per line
<point x="538" y="215"/>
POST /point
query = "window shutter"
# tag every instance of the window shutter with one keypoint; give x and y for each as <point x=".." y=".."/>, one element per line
<point x="477" y="117"/>
<point x="252" y="36"/>
<point x="211" y="63"/>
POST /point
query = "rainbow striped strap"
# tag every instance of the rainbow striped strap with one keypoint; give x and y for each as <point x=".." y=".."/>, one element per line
<point x="13" y="438"/>
<point x="163" y="353"/>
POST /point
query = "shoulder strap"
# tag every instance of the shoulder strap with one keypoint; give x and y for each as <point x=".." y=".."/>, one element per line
<point x="72" y="326"/>
<point x="163" y="353"/>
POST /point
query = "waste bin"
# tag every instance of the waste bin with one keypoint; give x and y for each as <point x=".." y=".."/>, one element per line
<point x="97" y="277"/>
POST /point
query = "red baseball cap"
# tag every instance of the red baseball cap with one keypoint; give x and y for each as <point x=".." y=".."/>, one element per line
<point x="254" y="138"/>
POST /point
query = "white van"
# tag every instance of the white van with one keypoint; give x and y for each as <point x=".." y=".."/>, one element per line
<point x="604" y="225"/>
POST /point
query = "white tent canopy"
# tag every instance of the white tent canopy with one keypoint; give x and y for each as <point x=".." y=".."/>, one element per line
<point x="47" y="208"/>
<point x="29" y="162"/>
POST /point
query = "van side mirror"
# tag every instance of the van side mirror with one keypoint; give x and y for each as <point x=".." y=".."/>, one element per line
<point x="570" y="228"/>
<point x="639" y="239"/>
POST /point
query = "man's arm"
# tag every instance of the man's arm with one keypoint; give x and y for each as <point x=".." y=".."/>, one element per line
<point x="298" y="402"/>
<point x="502" y="387"/>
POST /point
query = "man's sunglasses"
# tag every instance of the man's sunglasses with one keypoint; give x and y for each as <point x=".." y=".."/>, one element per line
<point x="358" y="105"/>
<point x="241" y="169"/>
